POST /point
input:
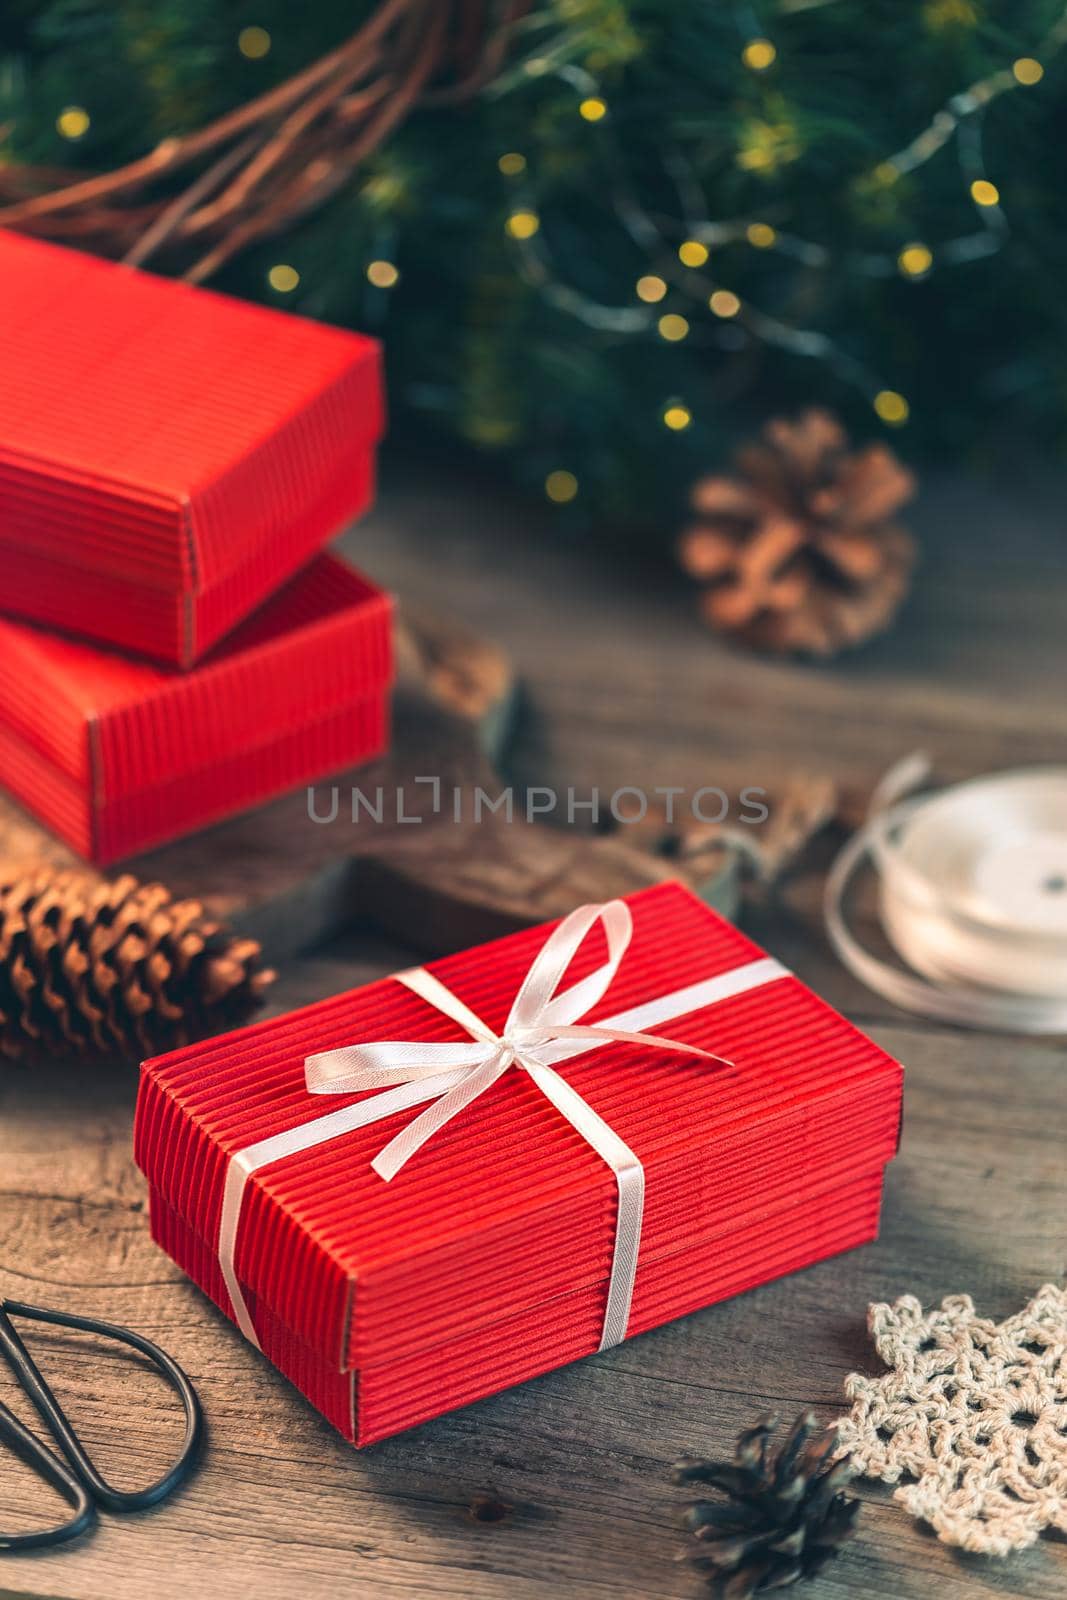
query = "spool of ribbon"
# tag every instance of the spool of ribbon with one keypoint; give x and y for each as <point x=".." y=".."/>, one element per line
<point x="972" y="896"/>
<point x="542" y="1030"/>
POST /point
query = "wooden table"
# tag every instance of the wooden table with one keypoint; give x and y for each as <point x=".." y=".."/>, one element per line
<point x="564" y="1483"/>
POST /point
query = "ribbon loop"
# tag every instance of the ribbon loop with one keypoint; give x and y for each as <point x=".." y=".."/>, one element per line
<point x="359" y="1067"/>
<point x="537" y="1002"/>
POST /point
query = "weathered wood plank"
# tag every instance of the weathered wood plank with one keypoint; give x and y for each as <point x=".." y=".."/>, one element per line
<point x="577" y="1460"/>
<point x="625" y="686"/>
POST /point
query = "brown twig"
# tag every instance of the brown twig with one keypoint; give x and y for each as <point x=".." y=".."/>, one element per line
<point x="173" y="215"/>
<point x="279" y="157"/>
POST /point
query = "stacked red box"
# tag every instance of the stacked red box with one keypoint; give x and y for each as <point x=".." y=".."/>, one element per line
<point x="171" y="462"/>
<point x="168" y="456"/>
<point x="116" y="754"/>
<point x="486" y="1259"/>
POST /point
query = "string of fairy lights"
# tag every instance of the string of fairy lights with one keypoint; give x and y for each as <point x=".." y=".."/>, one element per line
<point x="684" y="267"/>
<point x="681" y="249"/>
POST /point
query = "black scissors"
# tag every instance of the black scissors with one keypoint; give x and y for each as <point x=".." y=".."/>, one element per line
<point x="75" y="1477"/>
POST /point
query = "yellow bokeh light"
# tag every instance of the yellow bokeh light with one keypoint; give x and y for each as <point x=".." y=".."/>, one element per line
<point x="692" y="253"/>
<point x="253" y="43"/>
<point x="561" y="486"/>
<point x="523" y="224"/>
<point x="492" y="431"/>
<point x="984" y="193"/>
<point x="891" y="407"/>
<point x="1027" y="70"/>
<point x="593" y="109"/>
<point x="724" y="303"/>
<point x="283" y="278"/>
<point x="676" y="416"/>
<point x="765" y="146"/>
<point x="672" y="327"/>
<point x="885" y="174"/>
<point x="942" y="15"/>
<point x="382" y="274"/>
<point x="650" y="289"/>
<point x="511" y="163"/>
<point x="761" y="234"/>
<point x="73" y="122"/>
<point x="759" y="54"/>
<point x="915" y="260"/>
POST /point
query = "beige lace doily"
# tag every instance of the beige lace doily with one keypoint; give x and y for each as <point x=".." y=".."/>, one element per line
<point x="974" y="1411"/>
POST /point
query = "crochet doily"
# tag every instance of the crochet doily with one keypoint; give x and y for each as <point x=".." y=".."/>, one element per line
<point x="974" y="1411"/>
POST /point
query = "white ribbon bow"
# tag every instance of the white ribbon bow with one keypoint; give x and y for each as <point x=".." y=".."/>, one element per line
<point x="542" y="1029"/>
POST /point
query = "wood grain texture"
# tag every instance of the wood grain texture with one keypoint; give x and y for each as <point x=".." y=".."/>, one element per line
<point x="622" y="675"/>
<point x="568" y="1477"/>
<point x="576" y="1464"/>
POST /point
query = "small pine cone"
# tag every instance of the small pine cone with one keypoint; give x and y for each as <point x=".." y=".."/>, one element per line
<point x="784" y="1515"/>
<point x="797" y="549"/>
<point x="89" y="967"/>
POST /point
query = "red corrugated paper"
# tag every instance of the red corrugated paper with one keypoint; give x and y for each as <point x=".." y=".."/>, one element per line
<point x="115" y="754"/>
<point x="168" y="456"/>
<point x="486" y="1259"/>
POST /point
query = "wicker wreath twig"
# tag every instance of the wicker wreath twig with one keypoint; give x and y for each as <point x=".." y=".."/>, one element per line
<point x="258" y="169"/>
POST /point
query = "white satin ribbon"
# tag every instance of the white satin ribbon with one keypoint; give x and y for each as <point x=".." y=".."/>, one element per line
<point x="542" y="1029"/>
<point x="976" y="965"/>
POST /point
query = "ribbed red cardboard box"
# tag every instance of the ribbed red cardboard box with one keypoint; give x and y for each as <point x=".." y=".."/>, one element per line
<point x="486" y="1259"/>
<point x="168" y="456"/>
<point x="116" y="754"/>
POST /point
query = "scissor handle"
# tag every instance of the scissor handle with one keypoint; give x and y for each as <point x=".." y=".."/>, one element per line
<point x="21" y="1442"/>
<point x="52" y="1413"/>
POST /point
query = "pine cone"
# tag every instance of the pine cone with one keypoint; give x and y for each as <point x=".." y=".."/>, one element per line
<point x="90" y="967"/>
<point x="797" y="549"/>
<point x="784" y="1516"/>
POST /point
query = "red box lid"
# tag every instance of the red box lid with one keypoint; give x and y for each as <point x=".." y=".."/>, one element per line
<point x="169" y="438"/>
<point x="507" y="1207"/>
<point x="110" y="728"/>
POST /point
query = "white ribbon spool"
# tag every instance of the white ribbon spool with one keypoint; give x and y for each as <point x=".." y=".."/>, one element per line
<point x="973" y="898"/>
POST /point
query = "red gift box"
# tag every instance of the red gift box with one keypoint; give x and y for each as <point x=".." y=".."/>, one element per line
<point x="116" y="754"/>
<point x="493" y="1255"/>
<point x="168" y="456"/>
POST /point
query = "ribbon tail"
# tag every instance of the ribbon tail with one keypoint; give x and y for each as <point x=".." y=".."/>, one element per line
<point x="389" y="1160"/>
<point x="630" y="1182"/>
<point x="622" y="1036"/>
